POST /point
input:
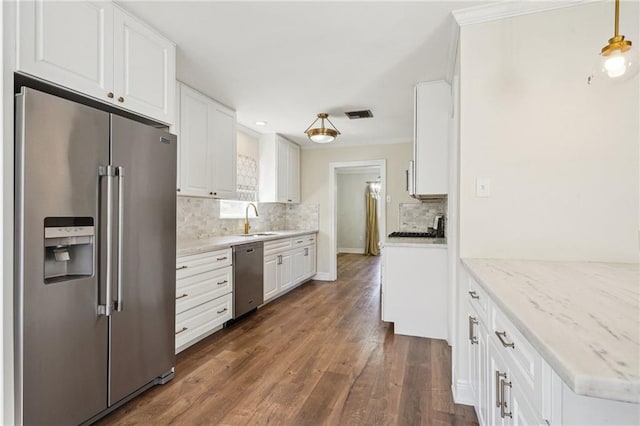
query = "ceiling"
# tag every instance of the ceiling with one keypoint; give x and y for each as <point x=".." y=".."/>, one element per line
<point x="284" y="62"/>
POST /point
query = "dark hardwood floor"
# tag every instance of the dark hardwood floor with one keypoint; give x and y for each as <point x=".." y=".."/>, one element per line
<point x="319" y="355"/>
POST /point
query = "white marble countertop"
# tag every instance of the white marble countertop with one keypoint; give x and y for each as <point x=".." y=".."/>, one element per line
<point x="414" y="242"/>
<point x="582" y="317"/>
<point x="185" y="248"/>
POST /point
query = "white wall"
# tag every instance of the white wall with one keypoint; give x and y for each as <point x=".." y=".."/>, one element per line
<point x="351" y="210"/>
<point x="314" y="188"/>
<point x="247" y="144"/>
<point x="562" y="155"/>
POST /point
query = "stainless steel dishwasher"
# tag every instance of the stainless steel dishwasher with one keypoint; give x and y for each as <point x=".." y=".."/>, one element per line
<point x="248" y="272"/>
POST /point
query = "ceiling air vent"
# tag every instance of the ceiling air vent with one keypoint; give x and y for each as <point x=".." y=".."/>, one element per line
<point x="365" y="113"/>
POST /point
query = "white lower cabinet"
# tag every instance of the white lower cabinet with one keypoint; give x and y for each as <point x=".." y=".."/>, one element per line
<point x="415" y="302"/>
<point x="204" y="285"/>
<point x="506" y="372"/>
<point x="514" y="385"/>
<point x="288" y="262"/>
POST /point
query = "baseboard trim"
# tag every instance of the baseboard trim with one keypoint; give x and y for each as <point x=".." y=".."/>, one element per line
<point x="322" y="276"/>
<point x="462" y="392"/>
<point x="351" y="250"/>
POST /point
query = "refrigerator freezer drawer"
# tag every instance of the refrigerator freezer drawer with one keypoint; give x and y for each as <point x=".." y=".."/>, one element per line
<point x="198" y="289"/>
<point x="187" y="266"/>
<point x="194" y="323"/>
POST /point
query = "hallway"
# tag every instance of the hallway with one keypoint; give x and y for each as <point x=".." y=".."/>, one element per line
<point x="318" y="355"/>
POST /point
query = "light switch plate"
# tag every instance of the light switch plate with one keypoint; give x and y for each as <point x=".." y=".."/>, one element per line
<point x="483" y="187"/>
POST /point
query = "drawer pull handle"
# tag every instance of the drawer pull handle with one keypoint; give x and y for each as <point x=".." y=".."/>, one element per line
<point x="183" y="329"/>
<point x="300" y="242"/>
<point x="310" y="239"/>
<point x="224" y="310"/>
<point x="498" y="393"/>
<point x="474" y="295"/>
<point x="472" y="321"/>
<point x="502" y="335"/>
<point x="503" y="406"/>
<point x="183" y="295"/>
<point x="221" y="258"/>
<point x="222" y="282"/>
<point x="182" y="267"/>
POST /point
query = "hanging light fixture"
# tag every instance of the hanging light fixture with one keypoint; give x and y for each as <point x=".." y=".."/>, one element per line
<point x="618" y="60"/>
<point x="322" y="134"/>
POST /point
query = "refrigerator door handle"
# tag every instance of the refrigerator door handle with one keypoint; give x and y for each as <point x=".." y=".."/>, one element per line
<point x="108" y="173"/>
<point x="120" y="174"/>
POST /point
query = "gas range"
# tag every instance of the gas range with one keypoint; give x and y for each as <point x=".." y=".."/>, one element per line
<point x="399" y="234"/>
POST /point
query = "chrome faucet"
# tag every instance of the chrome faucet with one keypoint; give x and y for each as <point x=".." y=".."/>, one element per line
<point x="246" y="217"/>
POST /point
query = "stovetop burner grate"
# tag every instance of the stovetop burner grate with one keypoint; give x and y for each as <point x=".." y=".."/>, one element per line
<point x="399" y="234"/>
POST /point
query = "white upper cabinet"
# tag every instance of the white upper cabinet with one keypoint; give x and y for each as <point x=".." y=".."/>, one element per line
<point x="69" y="43"/>
<point x="144" y="68"/>
<point x="95" y="48"/>
<point x="207" y="145"/>
<point x="279" y="169"/>
<point x="431" y="139"/>
<point x="193" y="144"/>
<point x="223" y="144"/>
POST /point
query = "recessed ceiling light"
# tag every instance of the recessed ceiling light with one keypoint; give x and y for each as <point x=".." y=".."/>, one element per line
<point x="261" y="123"/>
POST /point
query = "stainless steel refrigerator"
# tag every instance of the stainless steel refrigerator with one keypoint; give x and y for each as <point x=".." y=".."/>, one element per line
<point x="95" y="259"/>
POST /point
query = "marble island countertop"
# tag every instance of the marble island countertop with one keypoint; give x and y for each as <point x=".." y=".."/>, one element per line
<point x="582" y="317"/>
<point x="185" y="248"/>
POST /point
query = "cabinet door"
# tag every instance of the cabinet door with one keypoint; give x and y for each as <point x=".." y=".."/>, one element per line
<point x="431" y="150"/>
<point x="299" y="265"/>
<point x="282" y="173"/>
<point x="144" y="69"/>
<point x="285" y="271"/>
<point x="293" y="174"/>
<point x="482" y="395"/>
<point x="498" y="372"/>
<point x="195" y="160"/>
<point x="310" y="263"/>
<point x="69" y="43"/>
<point x="270" y="281"/>
<point x="222" y="139"/>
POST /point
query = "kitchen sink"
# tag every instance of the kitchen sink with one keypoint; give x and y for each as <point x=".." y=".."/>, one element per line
<point x="259" y="234"/>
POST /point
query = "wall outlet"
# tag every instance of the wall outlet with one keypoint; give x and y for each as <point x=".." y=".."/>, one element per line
<point x="483" y="187"/>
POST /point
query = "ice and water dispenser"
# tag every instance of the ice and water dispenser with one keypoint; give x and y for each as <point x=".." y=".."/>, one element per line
<point x="68" y="248"/>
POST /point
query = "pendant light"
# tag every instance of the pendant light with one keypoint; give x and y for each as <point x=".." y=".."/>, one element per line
<point x="618" y="60"/>
<point x="322" y="134"/>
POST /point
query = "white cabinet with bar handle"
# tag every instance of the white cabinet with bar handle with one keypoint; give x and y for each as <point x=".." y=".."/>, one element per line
<point x="98" y="49"/>
<point x="288" y="262"/>
<point x="204" y="284"/>
<point x="514" y="385"/>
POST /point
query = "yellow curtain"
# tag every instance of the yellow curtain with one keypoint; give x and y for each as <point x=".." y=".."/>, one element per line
<point x="371" y="235"/>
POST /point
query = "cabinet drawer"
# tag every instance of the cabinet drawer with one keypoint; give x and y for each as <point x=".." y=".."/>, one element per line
<point x="276" y="246"/>
<point x="187" y="266"/>
<point x="300" y="241"/>
<point x="308" y="240"/>
<point x="479" y="300"/>
<point x="524" y="362"/>
<point x="198" y="289"/>
<point x="203" y="318"/>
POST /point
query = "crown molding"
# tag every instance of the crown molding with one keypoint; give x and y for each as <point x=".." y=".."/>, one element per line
<point x="494" y="12"/>
<point x="508" y="9"/>
<point x="248" y="131"/>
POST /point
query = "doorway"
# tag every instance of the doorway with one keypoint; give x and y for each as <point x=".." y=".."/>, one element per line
<point x="352" y="177"/>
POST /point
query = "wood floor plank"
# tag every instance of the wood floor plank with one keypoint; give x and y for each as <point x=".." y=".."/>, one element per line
<point x="319" y="355"/>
